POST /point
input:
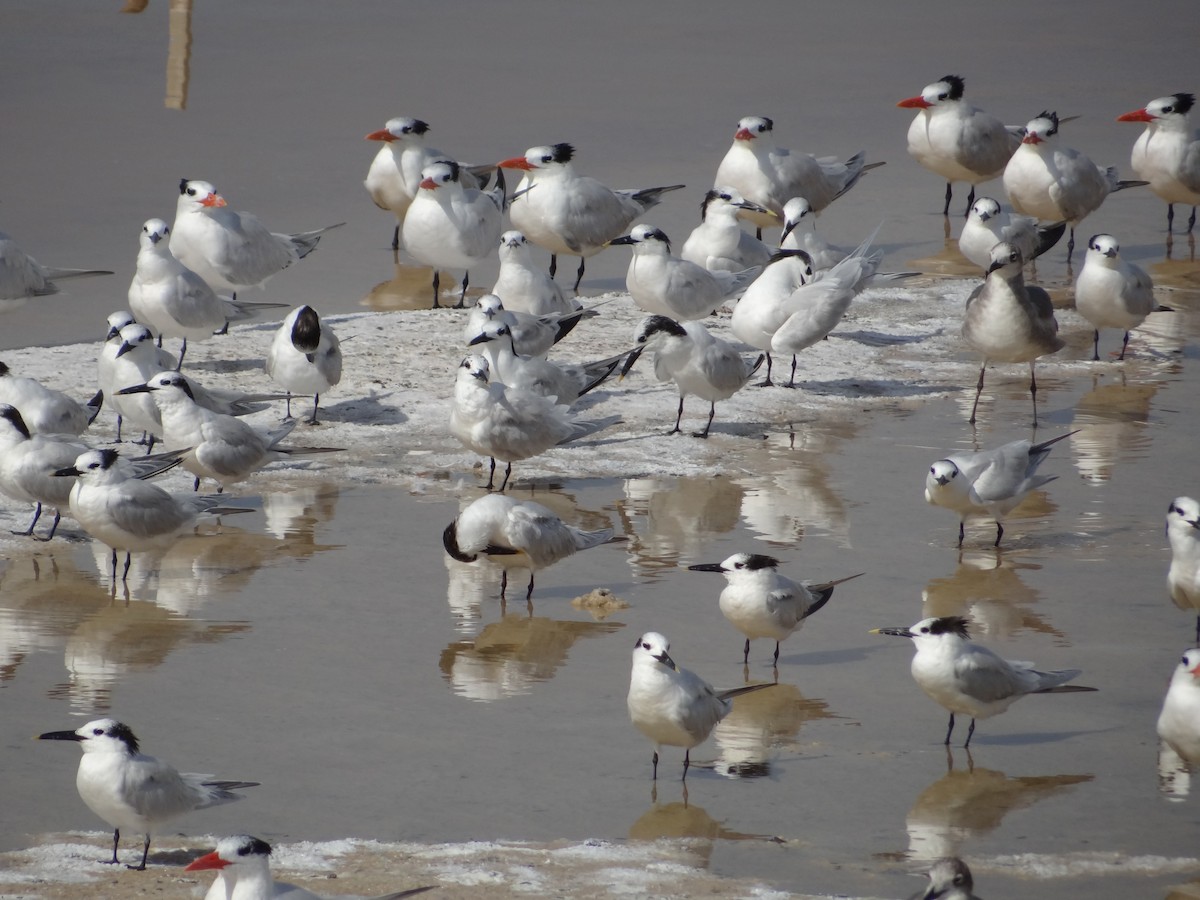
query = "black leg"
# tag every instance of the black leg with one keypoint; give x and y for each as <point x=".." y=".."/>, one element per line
<point x="686" y="762"/>
<point x="777" y="653"/>
<point x="999" y="533"/>
<point x="949" y="194"/>
<point x="183" y="352"/>
<point x="712" y="411"/>
<point x="396" y="237"/>
<point x="1170" y="216"/>
<point x="767" y="382"/>
<point x="579" y="274"/>
<point x="529" y="590"/>
<point x="37" y="513"/>
<point x="196" y="484"/>
<point x="462" y="298"/>
<point x="53" y="527"/>
<point x="120" y="421"/>
<point x="553" y="264"/>
<point x="145" y="854"/>
<point x="507" y="472"/>
<point x="1192" y="220"/>
<point x="116" y="840"/>
<point x="316" y="403"/>
<point x="978" y="391"/>
<point x="654" y="777"/>
<point x="1124" y="346"/>
<point x="970" y="201"/>
<point x="437" y="284"/>
<point x="792" y="378"/>
<point x="492" y="474"/>
<point x="1033" y="393"/>
<point x="949" y="730"/>
<point x="503" y="584"/>
<point x="970" y="731"/>
<point x="1096" y="345"/>
<point x="746" y="649"/>
<point x="1071" y="244"/>
<point x="960" y="533"/>
<point x="288" y="412"/>
<point x="114" y="578"/>
<point x="124" y="576"/>
<point x="678" y="416"/>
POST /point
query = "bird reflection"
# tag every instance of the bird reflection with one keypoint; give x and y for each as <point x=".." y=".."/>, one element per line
<point x="987" y="589"/>
<point x="684" y="820"/>
<point x="297" y="511"/>
<point x="1110" y="424"/>
<point x="1174" y="774"/>
<point x="969" y="803"/>
<point x="760" y="724"/>
<point x="407" y="289"/>
<point x="667" y="519"/>
<point x="509" y="656"/>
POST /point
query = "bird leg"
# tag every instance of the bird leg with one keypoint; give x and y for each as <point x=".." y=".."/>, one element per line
<point x="503" y="584"/>
<point x="961" y="535"/>
<point x="970" y="731"/>
<point x="1192" y="220"/>
<point x="654" y="777"/>
<point x="949" y="730"/>
<point x="37" y="512"/>
<point x="529" y="591"/>
<point x="579" y="274"/>
<point x="767" y="382"/>
<point x="316" y="403"/>
<point x="462" y="298"/>
<point x="437" y="283"/>
<point x="970" y="201"/>
<point x="949" y="194"/>
<point x="746" y="649"/>
<point x="116" y="840"/>
<point x="553" y="264"/>
<point x="1071" y="245"/>
<point x="678" y="416"/>
<point x="1124" y="344"/>
<point x="396" y="237"/>
<point x="999" y="533"/>
<point x="1033" y="392"/>
<point x="792" y="378"/>
<point x="507" y="472"/>
<point x="1198" y="629"/>
<point x="53" y="527"/>
<point x="491" y="474"/>
<point x="124" y="576"/>
<point x="712" y="411"/>
<point x="686" y="762"/>
<point x="183" y="349"/>
<point x="195" y="484"/>
<point x="288" y="412"/>
<point x="1096" y="345"/>
<point x="978" y="391"/>
<point x="777" y="654"/>
<point x="145" y="853"/>
<point x="758" y="233"/>
<point x="120" y="422"/>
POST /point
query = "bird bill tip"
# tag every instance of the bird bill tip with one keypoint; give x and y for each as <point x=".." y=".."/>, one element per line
<point x="913" y="103"/>
<point x="516" y="162"/>
<point x="207" y="861"/>
<point x="1137" y="115"/>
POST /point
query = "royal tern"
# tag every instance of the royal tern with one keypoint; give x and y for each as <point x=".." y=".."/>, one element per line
<point x="243" y="867"/>
<point x="568" y="213"/>
<point x="451" y="226"/>
<point x="223" y="447"/>
<point x="956" y="140"/>
<point x="130" y="790"/>
<point x="761" y="603"/>
<point x="949" y="879"/>
<point x="990" y="482"/>
<point x="1112" y="293"/>
<point x="695" y="360"/>
<point x="532" y="335"/>
<point x="231" y="250"/>
<point x="562" y="383"/>
<point x="509" y="424"/>
<point x="769" y="175"/>
<point x="1054" y="183"/>
<point x="523" y="286"/>
<point x="673" y="287"/>
<point x="516" y="534"/>
<point x="671" y="705"/>
<point x="1183" y="578"/>
<point x="45" y="410"/>
<point x="987" y="225"/>
<point x="305" y="357"/>
<point x="395" y="173"/>
<point x="1008" y="321"/>
<point x="127" y="514"/>
<point x="1179" y="721"/>
<point x="719" y="243"/>
<point x="22" y="277"/>
<point x="967" y="678"/>
<point x="1168" y="153"/>
<point x="172" y="300"/>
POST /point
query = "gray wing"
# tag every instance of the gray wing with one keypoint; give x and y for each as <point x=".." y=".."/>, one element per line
<point x="986" y="677"/>
<point x="144" y="510"/>
<point x="157" y="791"/>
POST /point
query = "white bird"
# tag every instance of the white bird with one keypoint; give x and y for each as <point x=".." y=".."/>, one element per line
<point x="568" y="213"/>
<point x="987" y="225"/>
<point x="45" y="410"/>
<point x="1008" y="321"/>
<point x="823" y="254"/>
<point x="395" y="173"/>
<point x="516" y="534"/>
<point x="770" y="175"/>
<point x="231" y="250"/>
<point x="949" y="879"/>
<point x="1183" y="533"/>
<point x="671" y="705"/>
<point x="305" y="357"/>
<point x="127" y="514"/>
<point x="523" y="286"/>
<point x="22" y="276"/>
<point x="172" y="300"/>
<point x="1167" y="154"/>
<point x="673" y="287"/>
<point x="1054" y="183"/>
<point x="533" y="335"/>
<point x="509" y="424"/>
<point x="761" y="603"/>
<point x="130" y="790"/>
<point x="451" y="226"/>
<point x="957" y="140"/>
<point x="223" y="448"/>
<point x="695" y="360"/>
<point x="990" y="482"/>
<point x="1179" y="721"/>
<point x="1110" y="292"/>
<point x="562" y="383"/>
<point x="719" y="243"/>
<point x="967" y="678"/>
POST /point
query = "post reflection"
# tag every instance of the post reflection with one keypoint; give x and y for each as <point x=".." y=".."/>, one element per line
<point x="179" y="48"/>
<point x="669" y="519"/>
<point x="760" y="725"/>
<point x="986" y="588"/>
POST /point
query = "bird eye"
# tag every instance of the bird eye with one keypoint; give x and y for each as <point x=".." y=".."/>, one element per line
<point x="942" y="96"/>
<point x="725" y="196"/>
<point x="925" y="630"/>
<point x="546" y="159"/>
<point x="1168" y="109"/>
<point x="1184" y="660"/>
<point x="94" y="466"/>
<point x="645" y="646"/>
<point x="762" y="128"/>
<point x="191" y="192"/>
<point x="932" y="471"/>
<point x="97" y="731"/>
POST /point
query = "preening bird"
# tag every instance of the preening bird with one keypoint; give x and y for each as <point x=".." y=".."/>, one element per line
<point x="45" y="410"/>
<point x="949" y="879"/>
<point x="988" y="224"/>
<point x="532" y="335"/>
<point x="305" y="357"/>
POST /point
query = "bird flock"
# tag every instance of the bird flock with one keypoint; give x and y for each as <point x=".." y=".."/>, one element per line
<point x="510" y="403"/>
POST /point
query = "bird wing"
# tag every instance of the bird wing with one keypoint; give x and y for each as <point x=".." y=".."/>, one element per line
<point x="542" y="535"/>
<point x="155" y="789"/>
<point x="143" y="510"/>
<point x="986" y="677"/>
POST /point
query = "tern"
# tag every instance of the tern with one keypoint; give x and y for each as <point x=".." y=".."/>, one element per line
<point x="451" y="226"/>
<point x="45" y="410"/>
<point x="769" y="175"/>
<point x="516" y="534"/>
<point x="957" y="140"/>
<point x="988" y="483"/>
<point x="22" y="276"/>
<point x="670" y="286"/>
<point x="823" y="254"/>
<point x="509" y="424"/>
<point x="305" y="357"/>
<point x="532" y="335"/>
<point x="395" y="173"/>
<point x="761" y="603"/>
<point x="1179" y="721"/>
<point x="117" y="509"/>
<point x="572" y="214"/>
<point x="1183" y="533"/>
<point x="1168" y="153"/>
<point x="106" y="362"/>
<point x="1008" y="321"/>
<point x="130" y="790"/>
<point x="671" y="705"/>
<point x="949" y="879"/>
<point x="231" y="250"/>
<point x="699" y="363"/>
<point x="1055" y="183"/>
<point x="1112" y="293"/>
<point x="970" y="679"/>
<point x="718" y="243"/>
<point x="172" y="300"/>
<point x="987" y="225"/>
<point x="523" y="286"/>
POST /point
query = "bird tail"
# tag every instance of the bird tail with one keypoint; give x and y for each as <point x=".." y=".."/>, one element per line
<point x="567" y="323"/>
<point x="1048" y="236"/>
<point x="61" y="274"/>
<point x="745" y="689"/>
<point x="585" y="540"/>
<point x="1056" y="682"/>
<point x="601" y="369"/>
<point x="757" y="365"/>
<point x="308" y="451"/>
<point x="237" y="310"/>
<point x="1066" y="689"/>
<point x="822" y="592"/>
<point x="1039" y="452"/>
<point x="651" y="197"/>
<point x="218" y="792"/>
<point x="305" y="242"/>
<point x="583" y="429"/>
<point x="94" y="406"/>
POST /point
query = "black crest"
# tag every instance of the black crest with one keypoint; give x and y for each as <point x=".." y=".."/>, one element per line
<point x="956" y="86"/>
<point x="253" y="846"/>
<point x="1184" y="102"/>
<point x="108" y="459"/>
<point x="784" y="254"/>
<point x="183" y="183"/>
<point x="120" y="730"/>
<point x="563" y="153"/>
<point x="14" y="415"/>
<point x="1053" y="117"/>
<point x="949" y="625"/>
<point x="417" y="127"/>
<point x="655" y="324"/>
<point x="450" y="542"/>
<point x="769" y="121"/>
<point x="709" y="197"/>
<point x="3" y="370"/>
<point x="760" y="561"/>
